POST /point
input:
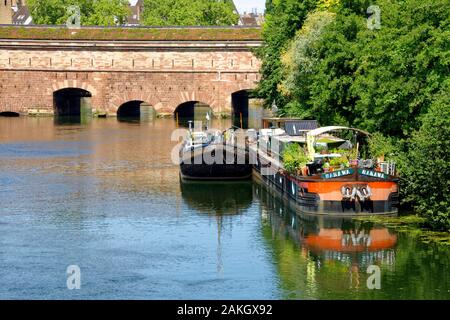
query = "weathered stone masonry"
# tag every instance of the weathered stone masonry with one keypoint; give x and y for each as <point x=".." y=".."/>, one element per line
<point x="162" y="73"/>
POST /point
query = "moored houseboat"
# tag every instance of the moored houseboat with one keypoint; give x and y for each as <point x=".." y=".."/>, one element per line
<point x="334" y="175"/>
<point x="206" y="155"/>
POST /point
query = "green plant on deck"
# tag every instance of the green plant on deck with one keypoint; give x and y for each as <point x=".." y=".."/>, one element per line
<point x="340" y="162"/>
<point x="346" y="153"/>
<point x="319" y="148"/>
<point x="294" y="157"/>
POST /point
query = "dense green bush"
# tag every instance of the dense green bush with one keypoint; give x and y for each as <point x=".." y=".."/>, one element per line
<point x="381" y="146"/>
<point x="425" y="166"/>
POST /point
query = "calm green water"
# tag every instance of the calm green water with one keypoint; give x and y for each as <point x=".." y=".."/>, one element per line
<point x="106" y="197"/>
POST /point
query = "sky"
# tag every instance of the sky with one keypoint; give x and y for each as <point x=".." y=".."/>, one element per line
<point x="247" y="5"/>
<point x="243" y="5"/>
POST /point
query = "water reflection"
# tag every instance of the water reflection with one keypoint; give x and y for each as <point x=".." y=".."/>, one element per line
<point x="220" y="201"/>
<point x="217" y="198"/>
<point x="70" y="120"/>
<point x="106" y="195"/>
<point x="321" y="257"/>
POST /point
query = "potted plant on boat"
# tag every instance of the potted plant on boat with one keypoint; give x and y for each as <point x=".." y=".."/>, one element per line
<point x="339" y="163"/>
<point x="295" y="159"/>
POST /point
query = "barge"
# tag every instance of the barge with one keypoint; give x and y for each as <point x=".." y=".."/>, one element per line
<point x="334" y="179"/>
<point x="206" y="155"/>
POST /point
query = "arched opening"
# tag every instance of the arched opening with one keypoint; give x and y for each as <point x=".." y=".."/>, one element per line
<point x="73" y="104"/>
<point x="193" y="111"/>
<point x="9" y="114"/>
<point x="135" y="110"/>
<point x="240" y="108"/>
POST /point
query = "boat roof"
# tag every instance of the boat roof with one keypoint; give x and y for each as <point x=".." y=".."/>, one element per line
<point x="287" y="138"/>
<point x="299" y="127"/>
<point x="322" y="130"/>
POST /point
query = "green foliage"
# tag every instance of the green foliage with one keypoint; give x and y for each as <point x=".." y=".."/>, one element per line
<point x="294" y="157"/>
<point x="108" y="13"/>
<point x="319" y="148"/>
<point x="381" y="146"/>
<point x="324" y="62"/>
<point x="341" y="162"/>
<point x="189" y="13"/>
<point x="156" y="13"/>
<point x="282" y="20"/>
<point x="98" y="13"/>
<point x="379" y="80"/>
<point x="425" y="167"/>
<point x="300" y="62"/>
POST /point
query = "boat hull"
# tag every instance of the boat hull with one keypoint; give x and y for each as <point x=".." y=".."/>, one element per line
<point x="325" y="197"/>
<point x="325" y="193"/>
<point x="230" y="164"/>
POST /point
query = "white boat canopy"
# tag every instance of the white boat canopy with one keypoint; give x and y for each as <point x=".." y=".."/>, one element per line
<point x="322" y="130"/>
<point x="311" y="136"/>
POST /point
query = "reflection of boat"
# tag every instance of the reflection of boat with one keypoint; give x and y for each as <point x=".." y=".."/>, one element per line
<point x="214" y="156"/>
<point x="221" y="198"/>
<point x="338" y="240"/>
<point x="327" y="237"/>
<point x="348" y="186"/>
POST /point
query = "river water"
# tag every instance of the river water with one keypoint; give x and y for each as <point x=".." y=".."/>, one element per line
<point x="105" y="196"/>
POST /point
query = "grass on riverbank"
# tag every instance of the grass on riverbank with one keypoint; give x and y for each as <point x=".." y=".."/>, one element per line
<point x="414" y="225"/>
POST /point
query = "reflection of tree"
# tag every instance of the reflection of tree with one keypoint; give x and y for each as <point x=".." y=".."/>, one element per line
<point x="410" y="269"/>
<point x="423" y="269"/>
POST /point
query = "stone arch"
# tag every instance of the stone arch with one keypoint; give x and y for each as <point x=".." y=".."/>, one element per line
<point x="59" y="85"/>
<point x="72" y="102"/>
<point x="192" y="111"/>
<point x="204" y="97"/>
<point x="135" y="110"/>
<point x="240" y="107"/>
<point x="119" y="100"/>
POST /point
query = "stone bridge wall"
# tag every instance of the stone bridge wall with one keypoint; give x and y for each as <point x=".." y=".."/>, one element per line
<point x="162" y="73"/>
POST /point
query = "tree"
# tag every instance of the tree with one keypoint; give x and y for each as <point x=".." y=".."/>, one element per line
<point x="379" y="80"/>
<point x="108" y="13"/>
<point x="189" y="13"/>
<point x="425" y="167"/>
<point x="299" y="63"/>
<point x="98" y="12"/>
<point x="283" y="19"/>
